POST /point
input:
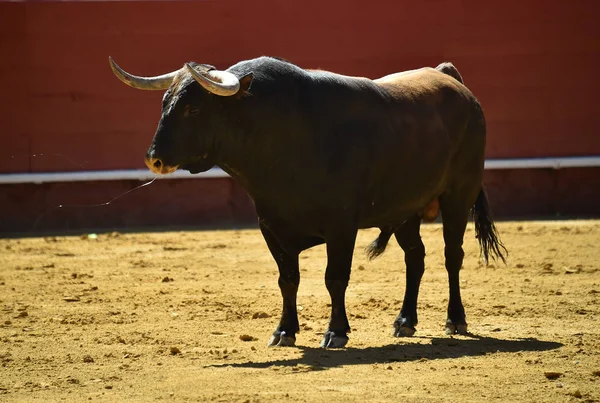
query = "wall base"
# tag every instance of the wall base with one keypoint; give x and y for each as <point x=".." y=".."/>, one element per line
<point x="221" y="203"/>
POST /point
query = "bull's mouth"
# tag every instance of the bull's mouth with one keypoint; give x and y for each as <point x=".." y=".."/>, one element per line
<point x="165" y="170"/>
<point x="197" y="166"/>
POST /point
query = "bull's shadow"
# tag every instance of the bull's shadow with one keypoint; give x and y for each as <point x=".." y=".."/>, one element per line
<point x="440" y="348"/>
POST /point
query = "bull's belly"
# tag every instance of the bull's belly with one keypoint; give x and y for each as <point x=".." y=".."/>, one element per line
<point x="394" y="210"/>
<point x="313" y="207"/>
<point x="397" y="216"/>
<point x="387" y="216"/>
<point x="317" y="219"/>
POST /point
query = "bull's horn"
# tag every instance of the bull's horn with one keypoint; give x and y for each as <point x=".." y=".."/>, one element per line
<point x="218" y="82"/>
<point x="143" y="83"/>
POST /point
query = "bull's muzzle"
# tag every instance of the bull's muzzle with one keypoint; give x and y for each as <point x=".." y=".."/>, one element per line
<point x="158" y="167"/>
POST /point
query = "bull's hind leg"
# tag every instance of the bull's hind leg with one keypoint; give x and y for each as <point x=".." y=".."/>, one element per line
<point x="409" y="239"/>
<point x="455" y="215"/>
<point x="285" y="250"/>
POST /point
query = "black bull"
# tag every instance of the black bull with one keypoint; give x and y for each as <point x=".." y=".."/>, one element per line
<point x="323" y="155"/>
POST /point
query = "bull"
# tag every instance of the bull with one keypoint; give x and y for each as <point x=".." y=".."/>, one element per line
<point x="323" y="155"/>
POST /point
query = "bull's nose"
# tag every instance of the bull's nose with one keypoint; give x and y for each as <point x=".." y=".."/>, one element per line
<point x="157" y="166"/>
<point x="154" y="164"/>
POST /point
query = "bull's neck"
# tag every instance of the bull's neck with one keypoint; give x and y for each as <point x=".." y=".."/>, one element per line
<point x="251" y="157"/>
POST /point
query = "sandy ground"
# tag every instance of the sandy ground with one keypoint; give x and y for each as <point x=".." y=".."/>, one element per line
<point x="158" y="316"/>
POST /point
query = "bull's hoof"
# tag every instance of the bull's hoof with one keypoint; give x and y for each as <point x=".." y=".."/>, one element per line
<point x="402" y="328"/>
<point x="456" y="328"/>
<point x="403" y="331"/>
<point x="333" y="340"/>
<point x="281" y="339"/>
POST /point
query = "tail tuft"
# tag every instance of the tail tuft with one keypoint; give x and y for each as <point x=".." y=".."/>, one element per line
<point x="486" y="232"/>
<point x="378" y="246"/>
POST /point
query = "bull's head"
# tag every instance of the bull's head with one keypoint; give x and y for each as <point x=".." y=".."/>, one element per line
<point x="191" y="116"/>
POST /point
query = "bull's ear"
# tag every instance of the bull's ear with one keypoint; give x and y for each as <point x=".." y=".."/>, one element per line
<point x="245" y="83"/>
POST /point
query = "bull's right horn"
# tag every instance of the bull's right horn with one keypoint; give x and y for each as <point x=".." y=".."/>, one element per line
<point x="218" y="82"/>
<point x="161" y="82"/>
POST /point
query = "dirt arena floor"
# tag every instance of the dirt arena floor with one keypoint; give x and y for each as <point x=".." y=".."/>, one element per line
<point x="186" y="316"/>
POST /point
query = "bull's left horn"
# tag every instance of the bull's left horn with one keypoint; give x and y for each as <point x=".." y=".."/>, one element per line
<point x="161" y="82"/>
<point x="218" y="82"/>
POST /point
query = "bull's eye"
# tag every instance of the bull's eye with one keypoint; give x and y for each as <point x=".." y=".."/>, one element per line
<point x="191" y="111"/>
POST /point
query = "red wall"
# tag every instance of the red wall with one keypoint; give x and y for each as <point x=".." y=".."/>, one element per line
<point x="532" y="64"/>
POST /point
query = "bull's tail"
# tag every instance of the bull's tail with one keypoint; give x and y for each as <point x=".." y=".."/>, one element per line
<point x="377" y="247"/>
<point x="448" y="68"/>
<point x="485" y="230"/>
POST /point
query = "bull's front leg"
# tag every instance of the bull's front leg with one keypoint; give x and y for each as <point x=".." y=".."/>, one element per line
<point x="337" y="276"/>
<point x="289" y="280"/>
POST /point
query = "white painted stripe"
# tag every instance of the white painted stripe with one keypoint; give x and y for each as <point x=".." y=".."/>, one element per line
<point x="537" y="163"/>
<point x="86" y="176"/>
<point x="144" y="174"/>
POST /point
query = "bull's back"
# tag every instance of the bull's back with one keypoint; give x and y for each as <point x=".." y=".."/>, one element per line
<point x="403" y="131"/>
